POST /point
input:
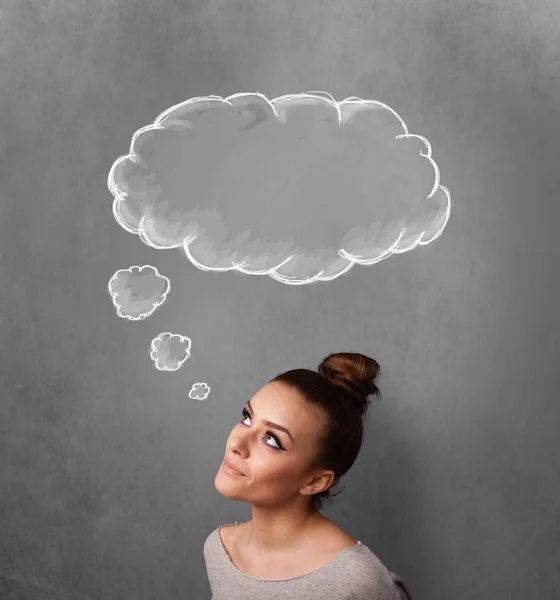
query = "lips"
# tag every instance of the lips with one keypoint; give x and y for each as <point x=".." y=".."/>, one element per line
<point x="233" y="467"/>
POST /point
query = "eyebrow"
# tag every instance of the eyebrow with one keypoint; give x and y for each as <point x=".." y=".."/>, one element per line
<point x="270" y="423"/>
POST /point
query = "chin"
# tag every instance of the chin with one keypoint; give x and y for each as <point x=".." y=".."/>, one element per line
<point x="224" y="486"/>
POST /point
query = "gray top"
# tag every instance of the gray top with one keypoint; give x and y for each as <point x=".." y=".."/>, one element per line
<point x="353" y="574"/>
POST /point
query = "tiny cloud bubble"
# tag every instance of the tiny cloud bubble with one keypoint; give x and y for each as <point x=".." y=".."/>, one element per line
<point x="199" y="391"/>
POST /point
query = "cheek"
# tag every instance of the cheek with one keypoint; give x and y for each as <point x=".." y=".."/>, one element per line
<point x="273" y="473"/>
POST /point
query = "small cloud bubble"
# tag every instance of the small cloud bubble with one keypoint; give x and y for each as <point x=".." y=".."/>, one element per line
<point x="169" y="351"/>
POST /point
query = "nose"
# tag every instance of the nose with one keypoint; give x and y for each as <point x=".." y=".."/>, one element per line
<point x="237" y="447"/>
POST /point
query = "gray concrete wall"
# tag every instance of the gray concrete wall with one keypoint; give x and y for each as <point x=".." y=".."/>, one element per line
<point x="107" y="466"/>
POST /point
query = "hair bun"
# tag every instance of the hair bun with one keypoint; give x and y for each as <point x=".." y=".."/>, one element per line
<point x="354" y="373"/>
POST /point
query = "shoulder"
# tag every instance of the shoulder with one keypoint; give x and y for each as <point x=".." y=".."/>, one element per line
<point x="370" y="577"/>
<point x="219" y="535"/>
<point x="229" y="532"/>
<point x="330" y="535"/>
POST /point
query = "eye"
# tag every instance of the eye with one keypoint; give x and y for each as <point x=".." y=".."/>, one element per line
<point x="269" y="433"/>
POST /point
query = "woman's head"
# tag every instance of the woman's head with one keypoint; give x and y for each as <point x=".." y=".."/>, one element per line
<point x="324" y="414"/>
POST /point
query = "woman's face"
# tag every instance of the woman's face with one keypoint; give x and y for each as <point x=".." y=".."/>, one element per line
<point x="275" y="464"/>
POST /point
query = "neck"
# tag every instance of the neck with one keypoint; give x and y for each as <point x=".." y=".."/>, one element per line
<point x="273" y="531"/>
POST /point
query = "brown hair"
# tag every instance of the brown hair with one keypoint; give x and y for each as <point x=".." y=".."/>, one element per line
<point x="341" y="387"/>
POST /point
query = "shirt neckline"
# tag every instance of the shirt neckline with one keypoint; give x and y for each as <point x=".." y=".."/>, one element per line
<point x="279" y="580"/>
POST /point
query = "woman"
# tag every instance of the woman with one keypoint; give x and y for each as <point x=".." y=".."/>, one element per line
<point x="299" y="435"/>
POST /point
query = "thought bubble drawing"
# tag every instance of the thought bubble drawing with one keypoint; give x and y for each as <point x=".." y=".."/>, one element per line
<point x="170" y="351"/>
<point x="298" y="188"/>
<point x="199" y="391"/>
<point x="138" y="291"/>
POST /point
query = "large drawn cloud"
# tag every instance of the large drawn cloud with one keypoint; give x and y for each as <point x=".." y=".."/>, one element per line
<point x="299" y="188"/>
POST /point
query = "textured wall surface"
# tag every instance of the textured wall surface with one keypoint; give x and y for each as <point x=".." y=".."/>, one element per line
<point x="107" y="466"/>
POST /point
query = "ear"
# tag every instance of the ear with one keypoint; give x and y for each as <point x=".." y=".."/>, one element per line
<point x="319" y="482"/>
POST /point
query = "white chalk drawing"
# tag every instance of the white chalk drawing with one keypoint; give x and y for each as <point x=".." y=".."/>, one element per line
<point x="170" y="351"/>
<point x="210" y="171"/>
<point x="249" y="184"/>
<point x="138" y="291"/>
<point x="199" y="391"/>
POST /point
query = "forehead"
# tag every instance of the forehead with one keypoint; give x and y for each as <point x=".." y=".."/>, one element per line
<point x="282" y="404"/>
